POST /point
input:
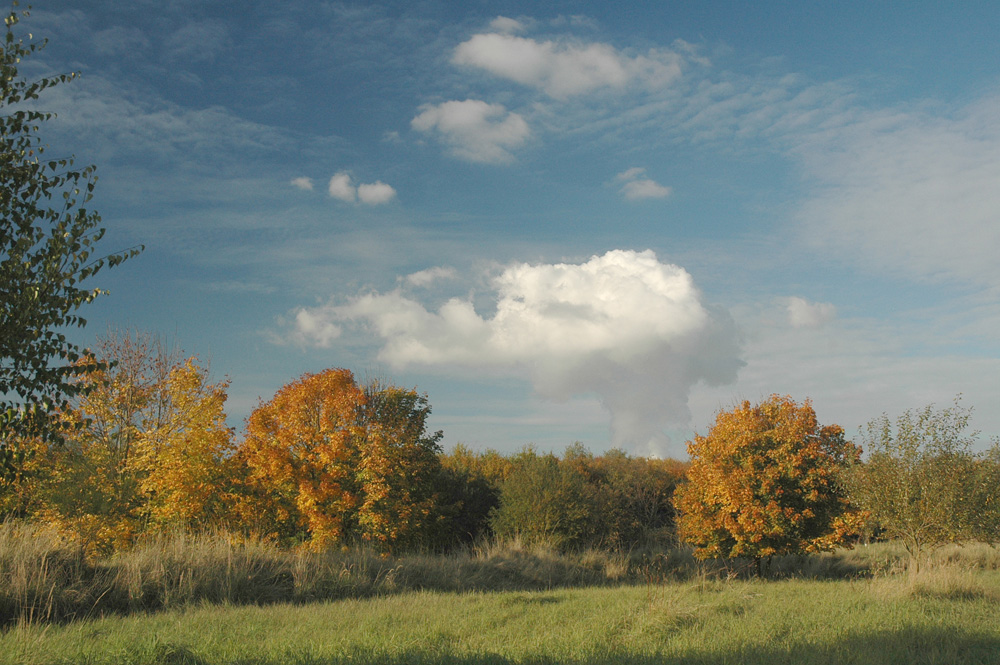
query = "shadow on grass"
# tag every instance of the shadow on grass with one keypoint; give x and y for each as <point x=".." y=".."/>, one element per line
<point x="915" y="646"/>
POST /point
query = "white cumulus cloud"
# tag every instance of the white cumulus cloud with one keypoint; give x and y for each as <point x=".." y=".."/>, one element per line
<point x="376" y="193"/>
<point x="475" y="131"/>
<point x="303" y="183"/>
<point x="342" y="187"/>
<point x="564" y="69"/>
<point x="805" y="314"/>
<point x="314" y="330"/>
<point x="624" y="326"/>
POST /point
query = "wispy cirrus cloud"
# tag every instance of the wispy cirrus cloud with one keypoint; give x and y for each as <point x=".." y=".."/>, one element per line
<point x="855" y="368"/>
<point x="908" y="191"/>
<point x="505" y="25"/>
<point x="201" y="41"/>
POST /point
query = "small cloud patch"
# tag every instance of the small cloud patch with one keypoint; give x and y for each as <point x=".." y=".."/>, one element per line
<point x="635" y="186"/>
<point x="342" y="187"/>
<point x="475" y="131"/>
<point x="805" y="314"/>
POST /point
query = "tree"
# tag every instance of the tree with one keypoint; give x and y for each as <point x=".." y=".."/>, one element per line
<point x="398" y="467"/>
<point x="327" y="461"/>
<point x="300" y="454"/>
<point x="146" y="447"/>
<point x="923" y="484"/>
<point x="765" y="482"/>
<point x="638" y="493"/>
<point x="184" y="464"/>
<point x="470" y="489"/>
<point x="88" y="486"/>
<point x="545" y="501"/>
<point x="47" y="242"/>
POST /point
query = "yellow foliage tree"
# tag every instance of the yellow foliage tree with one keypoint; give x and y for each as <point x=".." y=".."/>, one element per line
<point x="397" y="467"/>
<point x="765" y="482"/>
<point x="144" y="447"/>
<point x="184" y="463"/>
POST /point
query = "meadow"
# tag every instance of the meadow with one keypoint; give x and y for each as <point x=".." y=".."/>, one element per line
<point x="168" y="604"/>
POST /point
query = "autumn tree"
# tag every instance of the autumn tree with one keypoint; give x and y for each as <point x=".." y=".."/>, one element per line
<point x="397" y="468"/>
<point x="184" y="463"/>
<point x="764" y="482"/>
<point x="145" y="447"/>
<point x="89" y="486"/>
<point x="328" y="461"/>
<point x="922" y="482"/>
<point x="300" y="454"/>
<point x="47" y="242"/>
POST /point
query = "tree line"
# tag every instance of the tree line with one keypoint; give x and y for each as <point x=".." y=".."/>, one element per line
<point x="326" y="462"/>
<point x="331" y="462"/>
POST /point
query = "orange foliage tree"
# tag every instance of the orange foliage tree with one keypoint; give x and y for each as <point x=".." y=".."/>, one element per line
<point x="299" y="453"/>
<point x="765" y="482"/>
<point x="327" y="461"/>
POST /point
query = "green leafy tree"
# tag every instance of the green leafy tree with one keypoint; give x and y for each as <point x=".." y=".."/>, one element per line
<point x="545" y="501"/>
<point x="765" y="482"/>
<point x="923" y="484"/>
<point x="638" y="496"/>
<point x="47" y="242"/>
<point x="470" y="489"/>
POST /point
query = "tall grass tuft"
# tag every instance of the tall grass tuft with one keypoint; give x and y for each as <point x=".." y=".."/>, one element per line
<point x="42" y="576"/>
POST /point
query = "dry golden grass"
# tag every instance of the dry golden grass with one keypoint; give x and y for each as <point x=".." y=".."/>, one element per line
<point x="46" y="578"/>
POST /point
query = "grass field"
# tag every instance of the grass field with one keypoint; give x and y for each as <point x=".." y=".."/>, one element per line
<point x="946" y="614"/>
<point x="207" y="600"/>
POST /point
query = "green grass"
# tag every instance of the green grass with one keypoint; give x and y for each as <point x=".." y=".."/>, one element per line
<point x="207" y="600"/>
<point x="944" y="614"/>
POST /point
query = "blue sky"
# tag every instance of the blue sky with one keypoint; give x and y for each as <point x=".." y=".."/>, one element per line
<point x="563" y="221"/>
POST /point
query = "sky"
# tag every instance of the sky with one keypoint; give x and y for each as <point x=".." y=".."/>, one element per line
<point x="563" y="221"/>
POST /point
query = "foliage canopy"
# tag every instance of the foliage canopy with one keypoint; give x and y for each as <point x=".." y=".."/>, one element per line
<point x="146" y="449"/>
<point x="327" y="461"/>
<point x="47" y="242"/>
<point x="922" y="482"/>
<point x="765" y="482"/>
